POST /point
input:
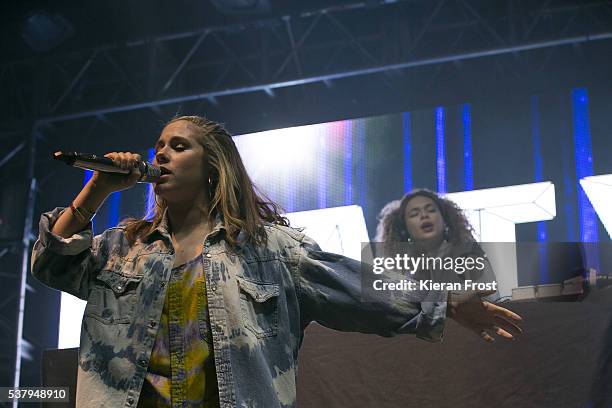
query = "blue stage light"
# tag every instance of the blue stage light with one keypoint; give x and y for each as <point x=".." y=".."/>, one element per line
<point x="468" y="168"/>
<point x="87" y="174"/>
<point x="440" y="150"/>
<point x="538" y="176"/>
<point x="348" y="163"/>
<point x="407" y="151"/>
<point x="150" y="209"/>
<point x="113" y="211"/>
<point x="583" y="158"/>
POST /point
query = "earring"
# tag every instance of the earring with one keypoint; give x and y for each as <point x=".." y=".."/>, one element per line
<point x="446" y="233"/>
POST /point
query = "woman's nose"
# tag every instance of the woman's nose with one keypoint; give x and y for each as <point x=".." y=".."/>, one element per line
<point x="160" y="157"/>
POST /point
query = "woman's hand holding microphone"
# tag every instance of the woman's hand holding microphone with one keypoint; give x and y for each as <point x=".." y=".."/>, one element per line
<point x="99" y="187"/>
<point x="112" y="182"/>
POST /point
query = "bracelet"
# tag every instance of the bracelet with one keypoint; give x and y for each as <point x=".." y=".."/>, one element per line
<point x="82" y="215"/>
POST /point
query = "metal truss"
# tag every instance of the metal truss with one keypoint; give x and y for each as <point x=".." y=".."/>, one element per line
<point x="319" y="46"/>
<point x="381" y="39"/>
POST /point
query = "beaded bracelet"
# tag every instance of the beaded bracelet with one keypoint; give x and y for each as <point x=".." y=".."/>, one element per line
<point x="81" y="214"/>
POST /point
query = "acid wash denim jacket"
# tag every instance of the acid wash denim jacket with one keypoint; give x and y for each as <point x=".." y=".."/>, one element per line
<point x="260" y="300"/>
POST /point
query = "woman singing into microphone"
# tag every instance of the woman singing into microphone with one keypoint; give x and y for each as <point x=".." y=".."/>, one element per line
<point x="205" y="303"/>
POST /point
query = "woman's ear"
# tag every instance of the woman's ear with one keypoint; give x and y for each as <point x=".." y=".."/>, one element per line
<point x="213" y="176"/>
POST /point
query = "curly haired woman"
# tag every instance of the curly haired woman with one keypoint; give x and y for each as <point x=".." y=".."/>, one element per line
<point x="426" y="225"/>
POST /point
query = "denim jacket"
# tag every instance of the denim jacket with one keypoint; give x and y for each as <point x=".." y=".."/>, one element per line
<point x="260" y="300"/>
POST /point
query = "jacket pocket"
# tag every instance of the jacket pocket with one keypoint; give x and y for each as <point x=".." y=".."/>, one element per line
<point x="259" y="306"/>
<point x="113" y="297"/>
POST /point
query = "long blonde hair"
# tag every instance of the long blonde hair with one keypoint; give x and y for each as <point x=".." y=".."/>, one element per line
<point x="232" y="194"/>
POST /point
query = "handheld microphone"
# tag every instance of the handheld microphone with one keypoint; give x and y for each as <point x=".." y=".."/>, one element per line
<point x="150" y="173"/>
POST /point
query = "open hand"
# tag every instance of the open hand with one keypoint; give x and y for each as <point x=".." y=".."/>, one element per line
<point x="483" y="318"/>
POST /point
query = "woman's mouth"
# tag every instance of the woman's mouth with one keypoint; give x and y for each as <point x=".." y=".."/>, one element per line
<point x="427" y="227"/>
<point x="164" y="174"/>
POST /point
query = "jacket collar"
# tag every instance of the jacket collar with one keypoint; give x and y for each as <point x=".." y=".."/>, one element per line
<point x="163" y="228"/>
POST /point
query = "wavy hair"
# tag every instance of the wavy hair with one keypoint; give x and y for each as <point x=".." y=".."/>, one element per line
<point x="391" y="226"/>
<point x="232" y="194"/>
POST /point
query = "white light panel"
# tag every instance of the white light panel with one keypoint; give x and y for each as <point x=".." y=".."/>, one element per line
<point x="494" y="212"/>
<point x="71" y="315"/>
<point x="599" y="191"/>
<point x="340" y="230"/>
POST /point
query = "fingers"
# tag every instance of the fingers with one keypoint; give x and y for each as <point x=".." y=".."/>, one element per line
<point x="502" y="333"/>
<point x="487" y="319"/>
<point x="508" y="325"/>
<point x="125" y="160"/>
<point x="504" y="317"/>
<point x="502" y="323"/>
<point x="497" y="330"/>
<point x="501" y="311"/>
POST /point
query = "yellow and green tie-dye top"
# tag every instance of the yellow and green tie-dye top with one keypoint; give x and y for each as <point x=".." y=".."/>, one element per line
<point x="181" y="371"/>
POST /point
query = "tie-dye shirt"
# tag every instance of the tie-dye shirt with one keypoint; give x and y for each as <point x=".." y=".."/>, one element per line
<point x="182" y="367"/>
